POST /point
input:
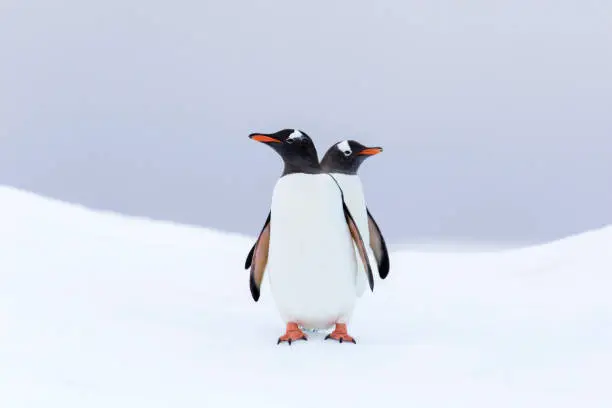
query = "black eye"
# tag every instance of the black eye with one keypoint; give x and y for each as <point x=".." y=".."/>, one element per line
<point x="289" y="141"/>
<point x="347" y="153"/>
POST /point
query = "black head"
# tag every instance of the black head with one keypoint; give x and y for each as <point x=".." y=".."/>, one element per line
<point x="295" y="148"/>
<point x="346" y="157"/>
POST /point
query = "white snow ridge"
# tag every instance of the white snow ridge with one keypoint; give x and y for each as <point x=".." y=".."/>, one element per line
<point x="101" y="310"/>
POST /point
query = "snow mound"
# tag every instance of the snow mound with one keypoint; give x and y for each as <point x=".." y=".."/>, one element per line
<point x="103" y="310"/>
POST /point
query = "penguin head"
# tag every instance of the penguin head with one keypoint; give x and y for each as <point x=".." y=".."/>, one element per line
<point x="346" y="157"/>
<point x="295" y="147"/>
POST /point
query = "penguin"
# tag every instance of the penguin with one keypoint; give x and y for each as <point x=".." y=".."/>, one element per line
<point x="306" y="246"/>
<point x="342" y="160"/>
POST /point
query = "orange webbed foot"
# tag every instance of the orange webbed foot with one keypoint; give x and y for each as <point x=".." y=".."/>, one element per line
<point x="340" y="334"/>
<point x="292" y="334"/>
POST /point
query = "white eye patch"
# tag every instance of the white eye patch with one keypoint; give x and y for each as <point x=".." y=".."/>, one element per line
<point x="296" y="135"/>
<point x="344" y="148"/>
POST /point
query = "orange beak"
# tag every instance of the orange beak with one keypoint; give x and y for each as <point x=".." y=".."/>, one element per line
<point x="263" y="138"/>
<point x="370" y="151"/>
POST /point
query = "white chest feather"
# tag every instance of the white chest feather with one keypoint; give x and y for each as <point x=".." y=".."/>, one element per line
<point x="311" y="264"/>
<point x="355" y="201"/>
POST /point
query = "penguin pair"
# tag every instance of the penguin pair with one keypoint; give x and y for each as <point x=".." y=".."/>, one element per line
<point x="318" y="238"/>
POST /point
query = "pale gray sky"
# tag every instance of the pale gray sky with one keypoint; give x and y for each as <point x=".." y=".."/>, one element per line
<point x="496" y="117"/>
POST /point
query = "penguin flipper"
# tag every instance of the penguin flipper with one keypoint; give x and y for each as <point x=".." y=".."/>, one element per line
<point x="363" y="253"/>
<point x="259" y="260"/>
<point x="249" y="258"/>
<point x="379" y="246"/>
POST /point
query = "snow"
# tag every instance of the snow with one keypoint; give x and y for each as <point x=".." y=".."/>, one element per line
<point x="102" y="310"/>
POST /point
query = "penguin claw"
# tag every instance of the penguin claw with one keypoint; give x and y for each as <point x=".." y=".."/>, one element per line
<point x="289" y="340"/>
<point x="293" y="334"/>
<point x="340" y="335"/>
<point x="342" y="339"/>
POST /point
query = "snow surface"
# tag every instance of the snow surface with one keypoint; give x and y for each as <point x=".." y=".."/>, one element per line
<point x="102" y="310"/>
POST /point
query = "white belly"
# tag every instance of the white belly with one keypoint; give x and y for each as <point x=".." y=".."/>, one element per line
<point x="355" y="201"/>
<point x="311" y="263"/>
